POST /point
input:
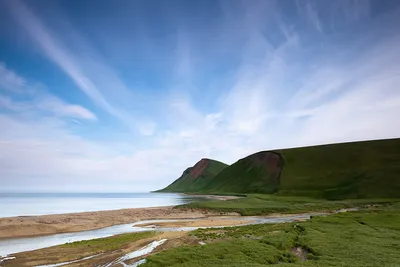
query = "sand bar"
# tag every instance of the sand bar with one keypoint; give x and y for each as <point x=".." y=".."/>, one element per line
<point x="25" y="226"/>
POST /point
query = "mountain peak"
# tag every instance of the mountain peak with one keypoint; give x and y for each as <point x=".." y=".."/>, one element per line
<point x="196" y="177"/>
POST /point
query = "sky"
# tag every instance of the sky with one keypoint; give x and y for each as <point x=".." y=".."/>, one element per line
<point x="123" y="96"/>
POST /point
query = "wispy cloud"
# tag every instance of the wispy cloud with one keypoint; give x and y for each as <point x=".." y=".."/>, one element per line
<point x="32" y="99"/>
<point x="312" y="16"/>
<point x="91" y="75"/>
<point x="292" y="81"/>
<point x="60" y="108"/>
<point x="48" y="104"/>
<point x="184" y="67"/>
<point x="278" y="100"/>
<point x="54" y="50"/>
<point x="9" y="80"/>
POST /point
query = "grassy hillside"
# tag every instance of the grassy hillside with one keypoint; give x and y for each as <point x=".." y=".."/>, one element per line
<point x="257" y="173"/>
<point x="349" y="170"/>
<point x="195" y="178"/>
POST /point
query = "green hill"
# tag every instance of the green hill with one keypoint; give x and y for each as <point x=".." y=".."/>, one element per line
<point x="348" y="170"/>
<point x="195" y="178"/>
<point x="257" y="173"/>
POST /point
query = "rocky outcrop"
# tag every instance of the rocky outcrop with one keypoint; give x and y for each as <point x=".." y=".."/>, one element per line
<point x="272" y="162"/>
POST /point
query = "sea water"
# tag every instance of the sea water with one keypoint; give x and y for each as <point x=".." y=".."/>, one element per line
<point x="31" y="204"/>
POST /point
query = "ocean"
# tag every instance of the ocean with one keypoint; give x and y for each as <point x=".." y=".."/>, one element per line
<point x="31" y="204"/>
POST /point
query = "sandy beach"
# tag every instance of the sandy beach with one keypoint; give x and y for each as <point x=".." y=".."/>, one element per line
<point x="25" y="226"/>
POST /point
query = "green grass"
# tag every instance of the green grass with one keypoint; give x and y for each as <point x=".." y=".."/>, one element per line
<point x="186" y="183"/>
<point x="366" y="238"/>
<point x="367" y="169"/>
<point x="245" y="176"/>
<point x="258" y="204"/>
<point x="108" y="243"/>
<point x="219" y="254"/>
<point x="349" y="170"/>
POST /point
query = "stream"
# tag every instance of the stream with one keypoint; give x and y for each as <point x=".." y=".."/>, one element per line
<point x="16" y="245"/>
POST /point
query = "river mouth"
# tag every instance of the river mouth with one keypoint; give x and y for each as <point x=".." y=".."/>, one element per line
<point x="18" y="245"/>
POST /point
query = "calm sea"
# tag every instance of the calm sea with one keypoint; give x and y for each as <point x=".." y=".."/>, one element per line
<point x="27" y="204"/>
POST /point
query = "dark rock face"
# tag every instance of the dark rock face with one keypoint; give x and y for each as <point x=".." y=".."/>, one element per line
<point x="273" y="162"/>
<point x="199" y="168"/>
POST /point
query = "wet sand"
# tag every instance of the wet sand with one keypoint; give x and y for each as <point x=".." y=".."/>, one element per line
<point x="26" y="226"/>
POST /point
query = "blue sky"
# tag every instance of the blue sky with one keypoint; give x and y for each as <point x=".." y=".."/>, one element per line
<point x="123" y="96"/>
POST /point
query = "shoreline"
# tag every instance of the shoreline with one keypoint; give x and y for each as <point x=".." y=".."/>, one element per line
<point x="41" y="225"/>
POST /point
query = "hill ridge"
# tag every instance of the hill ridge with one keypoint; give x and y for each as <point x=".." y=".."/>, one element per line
<point x="195" y="177"/>
<point x="334" y="171"/>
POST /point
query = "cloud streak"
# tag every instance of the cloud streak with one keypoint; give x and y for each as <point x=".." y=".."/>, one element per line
<point x="9" y="80"/>
<point x="101" y="85"/>
<point x="53" y="50"/>
<point x="33" y="99"/>
<point x="60" y="108"/>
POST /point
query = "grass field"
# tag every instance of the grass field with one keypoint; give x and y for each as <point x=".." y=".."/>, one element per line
<point x="368" y="169"/>
<point x="370" y="237"/>
<point x="108" y="243"/>
<point x="263" y="204"/>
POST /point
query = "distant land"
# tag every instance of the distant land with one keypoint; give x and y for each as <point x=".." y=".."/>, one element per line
<point x="366" y="169"/>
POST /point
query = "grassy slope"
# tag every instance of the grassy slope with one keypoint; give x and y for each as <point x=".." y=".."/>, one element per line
<point x="263" y="204"/>
<point x="244" y="176"/>
<point x="366" y="238"/>
<point x="337" y="171"/>
<point x="350" y="170"/>
<point x="185" y="183"/>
